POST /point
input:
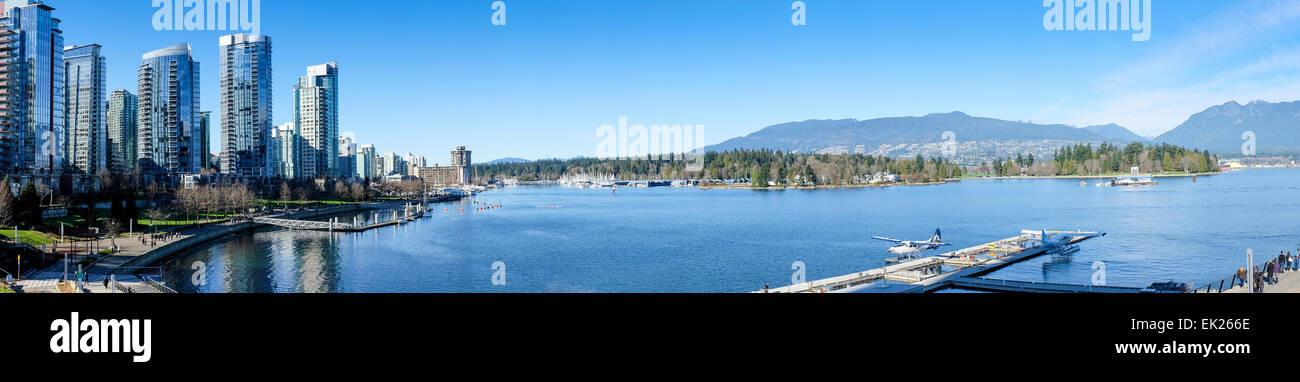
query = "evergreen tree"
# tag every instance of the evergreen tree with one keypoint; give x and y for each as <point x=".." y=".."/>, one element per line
<point x="29" y="206"/>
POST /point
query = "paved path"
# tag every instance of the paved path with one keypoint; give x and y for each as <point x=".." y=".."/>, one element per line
<point x="1288" y="282"/>
<point x="46" y="280"/>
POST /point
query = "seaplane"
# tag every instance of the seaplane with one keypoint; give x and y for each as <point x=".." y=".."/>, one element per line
<point x="1059" y="242"/>
<point x="907" y="250"/>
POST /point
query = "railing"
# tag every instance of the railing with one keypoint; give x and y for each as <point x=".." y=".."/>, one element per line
<point x="117" y="286"/>
<point x="156" y="285"/>
<point x="1230" y="282"/>
<point x="1226" y="283"/>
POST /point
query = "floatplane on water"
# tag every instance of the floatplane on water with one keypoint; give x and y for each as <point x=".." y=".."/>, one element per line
<point x="908" y="250"/>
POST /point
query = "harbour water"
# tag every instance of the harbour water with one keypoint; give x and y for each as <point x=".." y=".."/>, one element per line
<point x="554" y="239"/>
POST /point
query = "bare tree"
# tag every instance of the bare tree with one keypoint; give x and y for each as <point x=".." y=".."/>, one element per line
<point x="155" y="215"/>
<point x="286" y="191"/>
<point x="113" y="227"/>
<point x="304" y="192"/>
<point x="358" y="192"/>
<point x="106" y="180"/>
<point x="341" y="190"/>
<point x="8" y="206"/>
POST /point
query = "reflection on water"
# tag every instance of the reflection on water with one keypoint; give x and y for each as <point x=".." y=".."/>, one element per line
<point x="1057" y="269"/>
<point x="685" y="239"/>
<point x="274" y="260"/>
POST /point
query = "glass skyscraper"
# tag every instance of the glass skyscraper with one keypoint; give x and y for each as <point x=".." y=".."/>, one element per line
<point x="122" y="122"/>
<point x="169" y="116"/>
<point x="366" y="157"/>
<point x="347" y="158"/>
<point x="245" y="105"/>
<point x="84" y="106"/>
<point x="205" y="139"/>
<point x="316" y="117"/>
<point x="31" y="90"/>
<point x="285" y="151"/>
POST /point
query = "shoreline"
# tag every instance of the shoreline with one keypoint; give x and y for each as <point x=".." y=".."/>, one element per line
<point x="154" y="255"/>
<point x="745" y="186"/>
<point x="818" y="187"/>
<point x="1084" y="176"/>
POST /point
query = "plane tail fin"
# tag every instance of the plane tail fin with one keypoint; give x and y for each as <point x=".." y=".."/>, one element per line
<point x="937" y="238"/>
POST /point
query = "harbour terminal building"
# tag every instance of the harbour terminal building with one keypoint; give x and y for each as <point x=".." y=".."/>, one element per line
<point x="455" y="174"/>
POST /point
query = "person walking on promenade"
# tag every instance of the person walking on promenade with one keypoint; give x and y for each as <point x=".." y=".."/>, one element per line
<point x="1259" y="280"/>
<point x="1268" y="272"/>
<point x="1241" y="277"/>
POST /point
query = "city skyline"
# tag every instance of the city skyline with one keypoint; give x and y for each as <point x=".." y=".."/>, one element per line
<point x="555" y="72"/>
<point x="537" y="80"/>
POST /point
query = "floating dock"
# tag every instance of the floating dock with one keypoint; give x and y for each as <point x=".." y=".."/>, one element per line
<point x="409" y="213"/>
<point x="962" y="268"/>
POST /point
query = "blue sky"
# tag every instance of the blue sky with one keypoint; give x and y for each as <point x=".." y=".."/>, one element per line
<point x="424" y="76"/>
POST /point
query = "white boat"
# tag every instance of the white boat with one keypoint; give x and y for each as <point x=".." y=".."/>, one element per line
<point x="1134" y="180"/>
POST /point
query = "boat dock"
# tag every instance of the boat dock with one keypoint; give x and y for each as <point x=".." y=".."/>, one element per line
<point x="962" y="268"/>
<point x="410" y="212"/>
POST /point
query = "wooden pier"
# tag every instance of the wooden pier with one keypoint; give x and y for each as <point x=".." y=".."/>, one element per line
<point x="962" y="268"/>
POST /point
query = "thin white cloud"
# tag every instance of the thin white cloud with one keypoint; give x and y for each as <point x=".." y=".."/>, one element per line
<point x="1157" y="93"/>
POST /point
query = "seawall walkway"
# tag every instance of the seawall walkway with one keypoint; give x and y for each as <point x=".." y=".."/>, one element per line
<point x="133" y="255"/>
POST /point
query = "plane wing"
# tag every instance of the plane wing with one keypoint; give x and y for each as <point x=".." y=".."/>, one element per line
<point x="927" y="242"/>
<point x="1068" y="233"/>
<point x="888" y="239"/>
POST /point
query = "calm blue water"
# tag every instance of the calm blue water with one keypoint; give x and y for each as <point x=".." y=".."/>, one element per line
<point x="690" y="240"/>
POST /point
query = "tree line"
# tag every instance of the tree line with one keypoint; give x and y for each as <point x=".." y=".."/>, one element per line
<point x="758" y="165"/>
<point x="1105" y="159"/>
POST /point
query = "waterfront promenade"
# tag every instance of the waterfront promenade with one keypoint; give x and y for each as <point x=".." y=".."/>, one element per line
<point x="1288" y="282"/>
<point x="129" y="248"/>
<point x="135" y="256"/>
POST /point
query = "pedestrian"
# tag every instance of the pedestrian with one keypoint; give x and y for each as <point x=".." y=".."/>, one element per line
<point x="1268" y="271"/>
<point x="1241" y="277"/>
<point x="105" y="282"/>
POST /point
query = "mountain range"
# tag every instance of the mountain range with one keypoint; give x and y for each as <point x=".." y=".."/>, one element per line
<point x="506" y="161"/>
<point x="1218" y="129"/>
<point x="1225" y="128"/>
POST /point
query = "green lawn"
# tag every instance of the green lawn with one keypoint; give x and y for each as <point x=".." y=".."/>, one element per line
<point x="165" y="222"/>
<point x="174" y="220"/>
<point x="30" y="237"/>
<point x="4" y="290"/>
